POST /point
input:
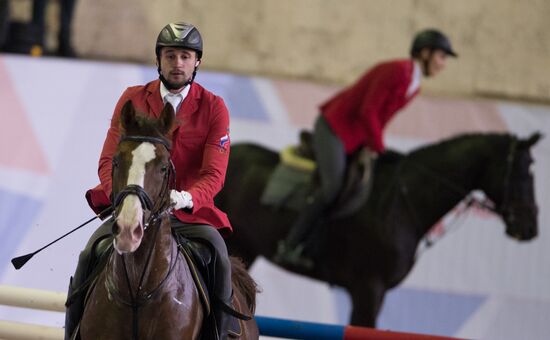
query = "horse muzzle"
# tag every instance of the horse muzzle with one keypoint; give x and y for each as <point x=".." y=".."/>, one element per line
<point x="128" y="227"/>
<point x="525" y="231"/>
<point x="127" y="239"/>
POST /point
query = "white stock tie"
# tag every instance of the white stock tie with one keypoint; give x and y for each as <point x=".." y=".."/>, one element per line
<point x="174" y="99"/>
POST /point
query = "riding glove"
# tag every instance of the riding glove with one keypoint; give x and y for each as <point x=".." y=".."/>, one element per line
<point x="181" y="199"/>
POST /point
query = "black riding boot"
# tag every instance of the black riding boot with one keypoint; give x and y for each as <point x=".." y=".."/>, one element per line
<point x="89" y="261"/>
<point x="223" y="321"/>
<point x="292" y="250"/>
<point x="74" y="310"/>
<point x="77" y="293"/>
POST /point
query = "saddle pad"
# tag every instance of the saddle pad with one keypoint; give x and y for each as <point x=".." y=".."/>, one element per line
<point x="288" y="187"/>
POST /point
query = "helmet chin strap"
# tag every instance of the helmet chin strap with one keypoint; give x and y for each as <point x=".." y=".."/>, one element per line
<point x="171" y="86"/>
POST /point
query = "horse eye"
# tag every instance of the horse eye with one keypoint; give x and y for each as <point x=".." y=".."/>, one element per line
<point x="115" y="162"/>
<point x="164" y="168"/>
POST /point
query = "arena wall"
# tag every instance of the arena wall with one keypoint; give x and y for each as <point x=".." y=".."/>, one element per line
<point x="504" y="45"/>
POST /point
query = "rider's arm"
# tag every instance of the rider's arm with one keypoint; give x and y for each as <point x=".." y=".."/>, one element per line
<point x="214" y="159"/>
<point x="376" y="109"/>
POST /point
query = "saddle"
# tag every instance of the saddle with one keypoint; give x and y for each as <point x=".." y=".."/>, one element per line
<point x="296" y="177"/>
<point x="199" y="256"/>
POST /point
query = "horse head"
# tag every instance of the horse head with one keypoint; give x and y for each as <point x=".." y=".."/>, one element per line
<point x="141" y="174"/>
<point x="510" y="185"/>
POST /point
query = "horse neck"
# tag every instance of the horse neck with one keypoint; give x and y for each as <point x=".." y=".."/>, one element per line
<point x="152" y="260"/>
<point x="438" y="178"/>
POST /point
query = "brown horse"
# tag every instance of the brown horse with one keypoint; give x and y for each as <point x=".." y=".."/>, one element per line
<point x="373" y="249"/>
<point x="146" y="290"/>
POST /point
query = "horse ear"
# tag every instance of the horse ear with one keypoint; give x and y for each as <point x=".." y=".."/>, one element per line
<point x="532" y="140"/>
<point x="128" y="114"/>
<point x="166" y="119"/>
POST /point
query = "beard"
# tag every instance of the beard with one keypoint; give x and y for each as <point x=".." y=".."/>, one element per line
<point x="173" y="85"/>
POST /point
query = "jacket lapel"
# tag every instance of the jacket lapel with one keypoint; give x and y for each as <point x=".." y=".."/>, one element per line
<point x="190" y="103"/>
<point x="188" y="107"/>
<point x="153" y="98"/>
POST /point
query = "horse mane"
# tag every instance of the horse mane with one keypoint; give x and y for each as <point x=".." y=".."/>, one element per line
<point x="463" y="138"/>
<point x="244" y="281"/>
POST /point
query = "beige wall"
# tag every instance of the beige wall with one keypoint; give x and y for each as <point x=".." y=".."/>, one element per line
<point x="504" y="45"/>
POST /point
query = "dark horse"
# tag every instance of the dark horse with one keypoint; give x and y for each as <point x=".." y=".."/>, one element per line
<point x="146" y="289"/>
<point x="373" y="249"/>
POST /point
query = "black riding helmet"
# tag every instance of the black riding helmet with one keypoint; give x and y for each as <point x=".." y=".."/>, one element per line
<point x="432" y="39"/>
<point x="178" y="34"/>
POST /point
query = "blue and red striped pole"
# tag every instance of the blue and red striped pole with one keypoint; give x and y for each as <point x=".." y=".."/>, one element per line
<point x="291" y="329"/>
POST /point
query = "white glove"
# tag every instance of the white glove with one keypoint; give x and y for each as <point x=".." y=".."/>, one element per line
<point x="181" y="199"/>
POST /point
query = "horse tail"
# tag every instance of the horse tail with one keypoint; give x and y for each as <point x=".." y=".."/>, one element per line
<point x="244" y="282"/>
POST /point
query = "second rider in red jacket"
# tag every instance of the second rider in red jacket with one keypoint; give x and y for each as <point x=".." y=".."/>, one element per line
<point x="355" y="118"/>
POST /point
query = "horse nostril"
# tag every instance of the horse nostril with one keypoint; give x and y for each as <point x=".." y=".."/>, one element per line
<point x="138" y="233"/>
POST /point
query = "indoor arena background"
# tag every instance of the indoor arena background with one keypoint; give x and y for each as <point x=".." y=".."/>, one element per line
<point x="474" y="283"/>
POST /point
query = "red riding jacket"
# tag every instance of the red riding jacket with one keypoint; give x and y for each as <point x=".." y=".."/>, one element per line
<point x="200" y="150"/>
<point x="359" y="113"/>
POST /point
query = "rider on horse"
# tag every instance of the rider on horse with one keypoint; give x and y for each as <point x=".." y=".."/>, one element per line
<point x="355" y="119"/>
<point x="200" y="154"/>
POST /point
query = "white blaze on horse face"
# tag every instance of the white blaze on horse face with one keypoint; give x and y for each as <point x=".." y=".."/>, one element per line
<point x="130" y="218"/>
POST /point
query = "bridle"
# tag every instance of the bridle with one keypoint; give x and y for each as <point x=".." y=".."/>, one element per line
<point x="504" y="209"/>
<point x="157" y="210"/>
<point x="132" y="189"/>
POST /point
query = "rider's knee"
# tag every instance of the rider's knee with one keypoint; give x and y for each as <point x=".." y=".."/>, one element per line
<point x="84" y="256"/>
<point x="224" y="262"/>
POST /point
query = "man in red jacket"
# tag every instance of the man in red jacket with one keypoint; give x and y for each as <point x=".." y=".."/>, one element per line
<point x="200" y="154"/>
<point x="355" y="118"/>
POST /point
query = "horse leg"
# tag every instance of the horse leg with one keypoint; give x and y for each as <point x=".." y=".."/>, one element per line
<point x="367" y="299"/>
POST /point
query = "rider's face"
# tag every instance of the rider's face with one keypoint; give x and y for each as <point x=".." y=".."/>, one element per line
<point x="435" y="61"/>
<point x="177" y="65"/>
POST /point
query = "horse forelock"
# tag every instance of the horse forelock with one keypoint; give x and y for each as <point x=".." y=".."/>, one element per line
<point x="145" y="126"/>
